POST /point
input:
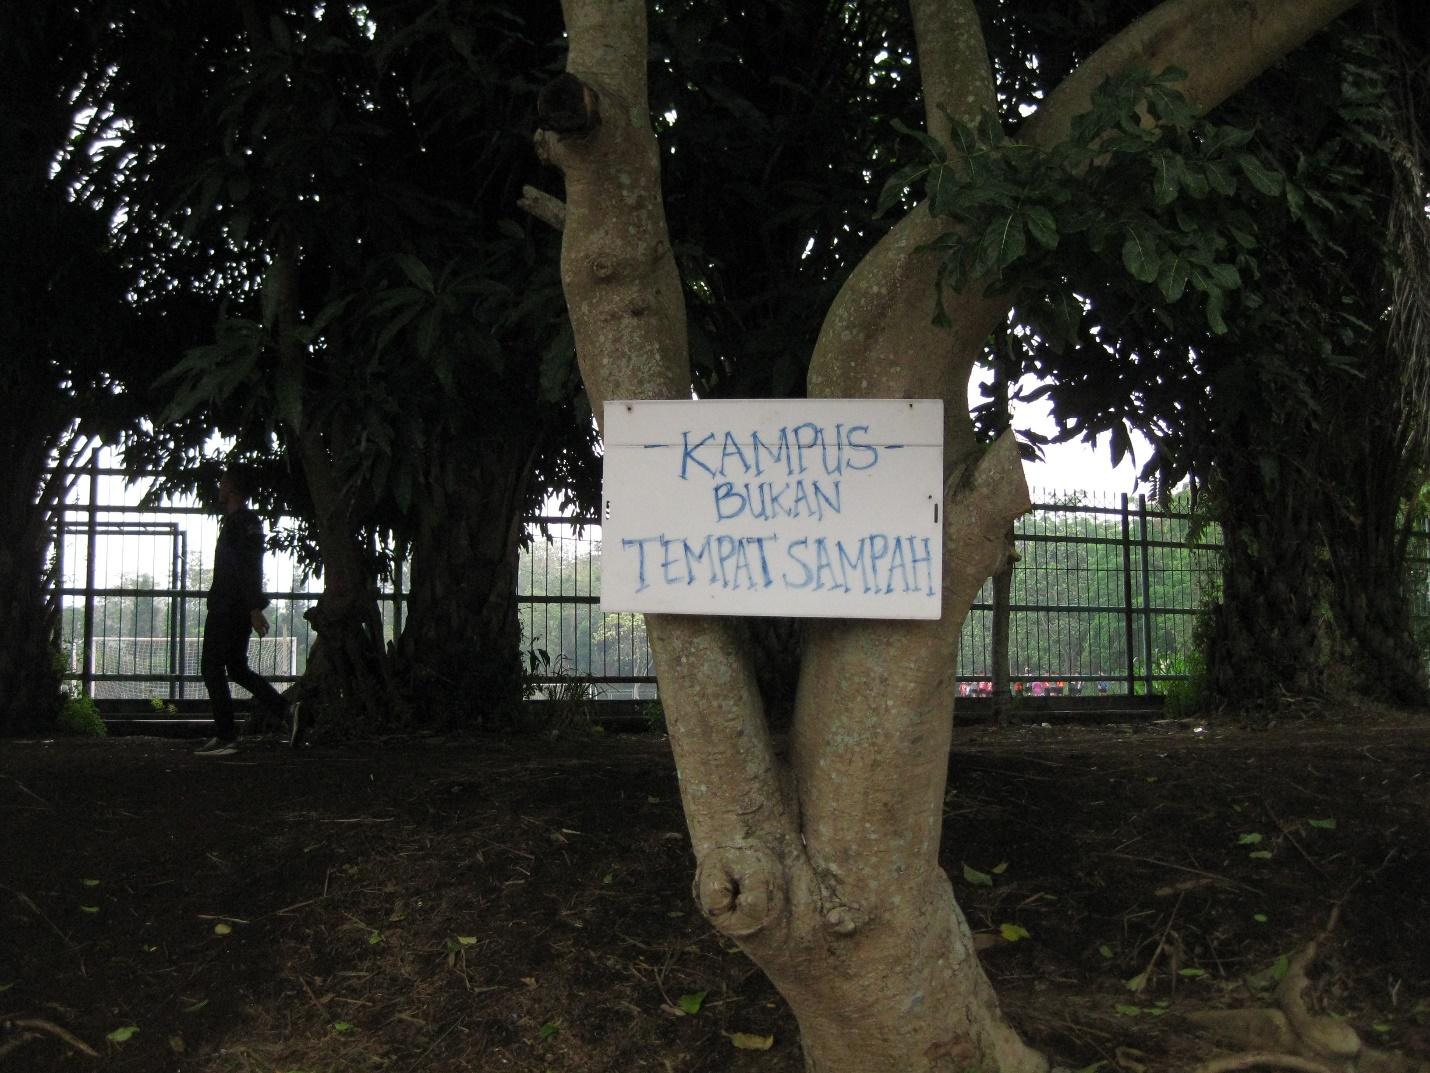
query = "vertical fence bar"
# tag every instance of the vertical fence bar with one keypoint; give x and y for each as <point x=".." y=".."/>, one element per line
<point x="59" y="578"/>
<point x="183" y="587"/>
<point x="1127" y="609"/>
<point x="1146" y="594"/>
<point x="176" y="635"/>
<point x="92" y="545"/>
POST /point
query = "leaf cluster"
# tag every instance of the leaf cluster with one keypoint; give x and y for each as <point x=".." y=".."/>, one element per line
<point x="1142" y="192"/>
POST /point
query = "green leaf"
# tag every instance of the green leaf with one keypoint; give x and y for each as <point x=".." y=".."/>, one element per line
<point x="1137" y="983"/>
<point x="1280" y="967"/>
<point x="1225" y="275"/>
<point x="1259" y="175"/>
<point x="976" y="878"/>
<point x="999" y="868"/>
<point x="1042" y="225"/>
<point x="343" y="1026"/>
<point x="1013" y="242"/>
<point x="894" y="189"/>
<point x="1260" y="918"/>
<point x="1191" y="973"/>
<point x="1128" y="1011"/>
<point x="95" y="882"/>
<point x="1324" y="825"/>
<point x="374" y="938"/>
<point x="548" y="1030"/>
<point x="1014" y="932"/>
<point x="1260" y="855"/>
<point x="89" y="909"/>
<point x="196" y="1007"/>
<point x="1105" y="951"/>
<point x="222" y="929"/>
<point x="122" y="1034"/>
<point x="1172" y="279"/>
<point x="1221" y="180"/>
<point x="420" y="275"/>
<point x="1139" y="255"/>
<point x="1252" y="839"/>
<point x="929" y="142"/>
<point x="692" y="1002"/>
<point x="1164" y="180"/>
<point x="467" y="940"/>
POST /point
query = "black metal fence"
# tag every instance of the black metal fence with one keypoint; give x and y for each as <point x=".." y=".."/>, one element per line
<point x="1104" y="599"/>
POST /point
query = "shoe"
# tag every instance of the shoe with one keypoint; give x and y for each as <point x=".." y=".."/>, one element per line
<point x="221" y="748"/>
<point x="209" y="746"/>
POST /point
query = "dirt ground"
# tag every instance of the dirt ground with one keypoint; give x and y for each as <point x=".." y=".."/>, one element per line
<point x="480" y="905"/>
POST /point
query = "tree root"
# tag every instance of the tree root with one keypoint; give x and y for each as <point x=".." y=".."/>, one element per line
<point x="1290" y="1036"/>
<point x="32" y="1028"/>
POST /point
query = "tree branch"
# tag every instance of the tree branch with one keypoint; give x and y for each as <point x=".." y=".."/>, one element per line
<point x="545" y="207"/>
<point x="953" y="65"/>
<point x="628" y="315"/>
<point x="1221" y="44"/>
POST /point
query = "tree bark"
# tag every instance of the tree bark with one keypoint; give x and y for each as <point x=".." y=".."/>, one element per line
<point x="459" y="656"/>
<point x="824" y="867"/>
<point x="348" y="678"/>
<point x="30" y="672"/>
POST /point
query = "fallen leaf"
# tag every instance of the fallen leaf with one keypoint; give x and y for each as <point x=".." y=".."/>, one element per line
<point x="1014" y="932"/>
<point x="692" y="1002"/>
<point x="122" y="1035"/>
<point x="977" y="878"/>
<point x="745" y="1041"/>
<point x="222" y="928"/>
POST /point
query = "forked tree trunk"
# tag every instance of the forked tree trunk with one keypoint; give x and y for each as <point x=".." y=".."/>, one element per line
<point x="824" y="866"/>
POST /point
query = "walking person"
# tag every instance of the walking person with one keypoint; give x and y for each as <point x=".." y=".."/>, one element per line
<point x="235" y="609"/>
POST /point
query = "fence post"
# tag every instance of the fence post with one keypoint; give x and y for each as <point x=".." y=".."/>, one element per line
<point x="183" y="588"/>
<point x="1146" y="595"/>
<point x="92" y="544"/>
<point x="1127" y="608"/>
<point x="176" y="637"/>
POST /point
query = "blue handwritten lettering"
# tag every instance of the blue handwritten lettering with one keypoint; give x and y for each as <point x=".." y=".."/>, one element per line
<point x="687" y="454"/>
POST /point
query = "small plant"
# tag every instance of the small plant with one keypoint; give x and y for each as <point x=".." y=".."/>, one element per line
<point x="80" y="716"/>
<point x="654" y="714"/>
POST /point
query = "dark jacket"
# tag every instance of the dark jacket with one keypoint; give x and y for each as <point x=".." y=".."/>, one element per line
<point x="238" y="564"/>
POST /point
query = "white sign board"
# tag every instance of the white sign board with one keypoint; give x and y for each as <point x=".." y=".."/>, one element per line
<point x="824" y="508"/>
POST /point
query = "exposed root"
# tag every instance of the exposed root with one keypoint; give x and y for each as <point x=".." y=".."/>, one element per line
<point x="1258" y="1059"/>
<point x="1290" y="1036"/>
<point x="31" y="1028"/>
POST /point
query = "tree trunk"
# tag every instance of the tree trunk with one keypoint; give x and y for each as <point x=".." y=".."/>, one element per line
<point x="30" y="674"/>
<point x="348" y="681"/>
<point x="1268" y="639"/>
<point x="824" y="866"/>
<point x="459" y="655"/>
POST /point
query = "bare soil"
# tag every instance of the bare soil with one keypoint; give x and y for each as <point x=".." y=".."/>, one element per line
<point x="523" y="904"/>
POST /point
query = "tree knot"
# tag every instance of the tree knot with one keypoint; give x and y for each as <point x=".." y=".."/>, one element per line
<point x="845" y="919"/>
<point x="567" y="106"/>
<point x="740" y="888"/>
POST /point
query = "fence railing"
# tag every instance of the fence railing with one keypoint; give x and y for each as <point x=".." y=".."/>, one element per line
<point x="1104" y="599"/>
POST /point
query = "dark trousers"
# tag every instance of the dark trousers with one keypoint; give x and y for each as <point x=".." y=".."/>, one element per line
<point x="225" y="657"/>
